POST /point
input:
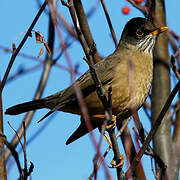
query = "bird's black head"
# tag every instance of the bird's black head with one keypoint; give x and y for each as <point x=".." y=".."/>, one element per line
<point x="136" y="29"/>
<point x="142" y="33"/>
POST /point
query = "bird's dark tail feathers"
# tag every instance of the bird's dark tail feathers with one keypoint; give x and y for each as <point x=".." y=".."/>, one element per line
<point x="25" y="107"/>
<point x="81" y="131"/>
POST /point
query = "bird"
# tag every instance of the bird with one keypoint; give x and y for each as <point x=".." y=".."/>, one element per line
<point x="136" y="45"/>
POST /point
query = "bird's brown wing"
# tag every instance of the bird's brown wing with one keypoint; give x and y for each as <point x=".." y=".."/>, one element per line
<point x="67" y="98"/>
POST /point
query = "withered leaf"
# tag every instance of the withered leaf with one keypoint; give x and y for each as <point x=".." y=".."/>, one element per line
<point x="41" y="52"/>
<point x="47" y="48"/>
<point x="39" y="38"/>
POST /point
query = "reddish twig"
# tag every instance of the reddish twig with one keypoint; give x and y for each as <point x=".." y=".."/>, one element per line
<point x="120" y="131"/>
<point x="141" y="8"/>
<point x="14" y="154"/>
<point x="3" y="174"/>
<point x="77" y="89"/>
<point x="8" y="50"/>
<point x="43" y="80"/>
<point x="154" y="128"/>
<point x="175" y="70"/>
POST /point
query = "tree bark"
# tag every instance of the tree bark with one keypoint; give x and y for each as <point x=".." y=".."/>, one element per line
<point x="161" y="88"/>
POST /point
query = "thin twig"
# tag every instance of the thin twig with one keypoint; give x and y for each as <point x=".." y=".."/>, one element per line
<point x="42" y="61"/>
<point x="28" y="33"/>
<point x="3" y="174"/>
<point x="175" y="70"/>
<point x="16" y="134"/>
<point x="99" y="88"/>
<point x="83" y="23"/>
<point x="77" y="88"/>
<point x="109" y="23"/>
<point x="141" y="8"/>
<point x="24" y="150"/>
<point x="14" y="154"/>
<point x="22" y="71"/>
<point x="154" y="128"/>
<point x="120" y="131"/>
<point x="43" y="80"/>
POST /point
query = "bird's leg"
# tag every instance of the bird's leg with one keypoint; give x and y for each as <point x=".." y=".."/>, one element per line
<point x="111" y="126"/>
<point x="102" y="116"/>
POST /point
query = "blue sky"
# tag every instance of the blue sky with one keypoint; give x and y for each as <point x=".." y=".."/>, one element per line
<point x="51" y="157"/>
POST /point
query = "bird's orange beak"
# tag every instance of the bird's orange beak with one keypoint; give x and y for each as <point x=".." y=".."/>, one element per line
<point x="159" y="30"/>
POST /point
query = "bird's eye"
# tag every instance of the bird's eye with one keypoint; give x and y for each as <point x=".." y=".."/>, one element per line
<point x="139" y="32"/>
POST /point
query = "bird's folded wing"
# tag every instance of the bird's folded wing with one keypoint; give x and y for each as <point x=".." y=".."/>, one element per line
<point x="105" y="72"/>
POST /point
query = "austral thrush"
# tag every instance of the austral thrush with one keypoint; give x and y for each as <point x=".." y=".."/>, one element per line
<point x="136" y="44"/>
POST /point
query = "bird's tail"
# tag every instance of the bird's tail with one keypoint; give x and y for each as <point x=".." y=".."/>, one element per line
<point x="25" y="107"/>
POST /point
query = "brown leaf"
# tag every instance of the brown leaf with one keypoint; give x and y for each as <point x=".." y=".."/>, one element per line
<point x="39" y="38"/>
<point x="41" y="52"/>
<point x="47" y="48"/>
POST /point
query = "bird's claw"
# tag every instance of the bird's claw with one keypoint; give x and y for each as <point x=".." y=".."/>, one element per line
<point x="112" y="125"/>
<point x="120" y="163"/>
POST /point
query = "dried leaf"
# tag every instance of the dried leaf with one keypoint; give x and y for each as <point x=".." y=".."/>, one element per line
<point x="41" y="52"/>
<point x="13" y="44"/>
<point x="39" y="37"/>
<point x="47" y="48"/>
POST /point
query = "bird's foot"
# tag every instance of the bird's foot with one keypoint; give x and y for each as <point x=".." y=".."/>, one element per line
<point x="111" y="124"/>
<point x="120" y="164"/>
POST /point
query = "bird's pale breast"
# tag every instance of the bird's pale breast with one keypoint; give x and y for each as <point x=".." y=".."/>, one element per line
<point x="132" y="83"/>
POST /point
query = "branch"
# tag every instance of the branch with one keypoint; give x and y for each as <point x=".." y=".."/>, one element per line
<point x="14" y="154"/>
<point x="120" y="131"/>
<point x="83" y="23"/>
<point x="16" y="51"/>
<point x="130" y="150"/>
<point x="109" y="23"/>
<point x="141" y="8"/>
<point x="80" y="20"/>
<point x="43" y="80"/>
<point x="2" y="159"/>
<point x="154" y="128"/>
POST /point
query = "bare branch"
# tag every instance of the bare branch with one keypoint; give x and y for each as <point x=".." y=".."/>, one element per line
<point x="109" y="23"/>
<point x="14" y="154"/>
<point x="154" y="127"/>
<point x="43" y="80"/>
<point x="21" y="45"/>
<point x="2" y="159"/>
